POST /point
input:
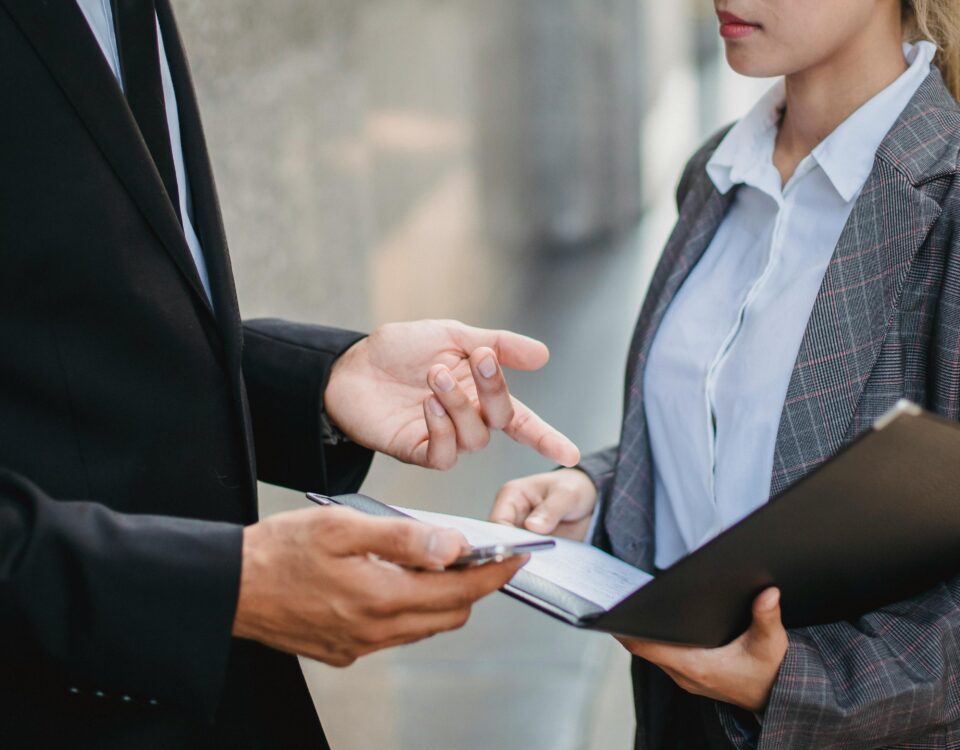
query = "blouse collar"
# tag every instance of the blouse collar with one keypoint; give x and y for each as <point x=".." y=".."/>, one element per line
<point x="745" y="155"/>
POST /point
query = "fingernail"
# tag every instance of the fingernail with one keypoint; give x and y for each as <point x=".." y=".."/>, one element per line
<point x="444" y="381"/>
<point x="443" y="546"/>
<point x="537" y="520"/>
<point x="487" y="368"/>
<point x="436" y="407"/>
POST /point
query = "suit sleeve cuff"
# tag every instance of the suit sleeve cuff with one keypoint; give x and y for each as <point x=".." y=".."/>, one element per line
<point x="781" y="726"/>
<point x="132" y="604"/>
<point x="286" y="369"/>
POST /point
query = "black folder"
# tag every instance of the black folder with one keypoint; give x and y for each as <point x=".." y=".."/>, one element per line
<point x="876" y="524"/>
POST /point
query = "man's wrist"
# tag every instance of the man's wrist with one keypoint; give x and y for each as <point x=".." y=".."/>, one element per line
<point x="334" y="398"/>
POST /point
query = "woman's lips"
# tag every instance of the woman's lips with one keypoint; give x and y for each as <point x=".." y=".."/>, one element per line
<point x="734" y="27"/>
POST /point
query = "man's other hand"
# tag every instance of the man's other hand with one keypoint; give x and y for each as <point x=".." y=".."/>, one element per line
<point x="423" y="392"/>
<point x="332" y="584"/>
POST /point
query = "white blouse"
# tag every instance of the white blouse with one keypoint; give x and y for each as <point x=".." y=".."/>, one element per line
<point x="721" y="361"/>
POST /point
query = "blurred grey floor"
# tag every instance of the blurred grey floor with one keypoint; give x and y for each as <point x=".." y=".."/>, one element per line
<point x="513" y="678"/>
<point x="352" y="141"/>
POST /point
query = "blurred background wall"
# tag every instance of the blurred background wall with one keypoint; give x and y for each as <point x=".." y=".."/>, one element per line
<point x="507" y="162"/>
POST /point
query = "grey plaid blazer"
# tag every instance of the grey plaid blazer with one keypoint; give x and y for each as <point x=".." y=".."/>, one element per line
<point x="885" y="326"/>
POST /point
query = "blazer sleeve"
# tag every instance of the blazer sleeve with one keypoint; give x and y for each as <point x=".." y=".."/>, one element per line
<point x="134" y="605"/>
<point x="884" y="679"/>
<point x="600" y="467"/>
<point x="286" y="367"/>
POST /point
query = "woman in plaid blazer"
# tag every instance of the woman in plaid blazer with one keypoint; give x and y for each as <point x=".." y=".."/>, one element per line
<point x="881" y="322"/>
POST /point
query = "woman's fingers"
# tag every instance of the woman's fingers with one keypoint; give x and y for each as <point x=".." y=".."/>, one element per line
<point x="548" y="514"/>
<point x="558" y="502"/>
<point x="512" y="504"/>
<point x="538" y="503"/>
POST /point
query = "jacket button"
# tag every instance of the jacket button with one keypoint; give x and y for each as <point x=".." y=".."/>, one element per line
<point x="126" y="698"/>
<point x="74" y="690"/>
<point x="98" y="693"/>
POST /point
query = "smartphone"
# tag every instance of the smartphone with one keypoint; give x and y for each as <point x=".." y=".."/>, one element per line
<point x="473" y="555"/>
<point x="498" y="553"/>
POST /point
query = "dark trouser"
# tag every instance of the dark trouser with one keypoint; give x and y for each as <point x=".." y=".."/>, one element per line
<point x="669" y="718"/>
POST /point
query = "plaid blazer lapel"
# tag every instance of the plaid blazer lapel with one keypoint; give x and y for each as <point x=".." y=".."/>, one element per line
<point x="629" y="518"/>
<point x="852" y="312"/>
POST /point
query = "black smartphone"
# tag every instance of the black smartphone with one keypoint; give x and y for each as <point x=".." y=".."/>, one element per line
<point x="473" y="556"/>
<point x="498" y="553"/>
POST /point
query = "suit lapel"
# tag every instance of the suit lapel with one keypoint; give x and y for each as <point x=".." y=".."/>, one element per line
<point x="208" y="222"/>
<point x="207" y="219"/>
<point x="61" y="37"/>
<point x="854" y="307"/>
<point x="683" y="251"/>
<point x="861" y="289"/>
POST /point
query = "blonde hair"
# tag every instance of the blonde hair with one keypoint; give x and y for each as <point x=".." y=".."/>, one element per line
<point x="939" y="22"/>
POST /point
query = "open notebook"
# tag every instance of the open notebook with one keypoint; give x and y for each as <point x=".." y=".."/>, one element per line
<point x="572" y="581"/>
<point x="877" y="523"/>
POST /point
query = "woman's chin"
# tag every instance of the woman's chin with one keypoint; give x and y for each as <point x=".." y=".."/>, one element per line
<point x="749" y="63"/>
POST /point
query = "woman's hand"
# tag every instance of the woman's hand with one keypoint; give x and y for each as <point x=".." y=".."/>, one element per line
<point x="558" y="502"/>
<point x="741" y="673"/>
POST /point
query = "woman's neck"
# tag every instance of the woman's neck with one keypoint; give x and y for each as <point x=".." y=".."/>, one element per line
<point x="821" y="97"/>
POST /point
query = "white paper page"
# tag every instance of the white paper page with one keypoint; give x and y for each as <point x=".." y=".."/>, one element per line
<point x="585" y="570"/>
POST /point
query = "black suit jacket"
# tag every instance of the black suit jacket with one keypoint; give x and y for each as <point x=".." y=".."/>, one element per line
<point x="131" y="413"/>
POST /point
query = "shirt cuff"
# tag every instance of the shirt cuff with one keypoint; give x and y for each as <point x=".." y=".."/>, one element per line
<point x="594" y="520"/>
<point x="330" y="434"/>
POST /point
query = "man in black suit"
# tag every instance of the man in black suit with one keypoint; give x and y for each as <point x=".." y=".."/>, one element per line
<point x="141" y="603"/>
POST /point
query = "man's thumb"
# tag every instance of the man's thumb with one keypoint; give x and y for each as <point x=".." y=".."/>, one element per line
<point x="401" y="541"/>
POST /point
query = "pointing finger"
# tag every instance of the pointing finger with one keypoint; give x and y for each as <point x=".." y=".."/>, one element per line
<point x="529" y="429"/>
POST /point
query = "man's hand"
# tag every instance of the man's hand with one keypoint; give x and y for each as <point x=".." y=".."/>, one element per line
<point x="423" y="392"/>
<point x="741" y="673"/>
<point x="557" y="502"/>
<point x="328" y="583"/>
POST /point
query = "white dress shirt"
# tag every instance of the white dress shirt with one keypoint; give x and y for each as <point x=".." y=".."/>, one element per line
<point x="720" y="364"/>
<point x="100" y="18"/>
